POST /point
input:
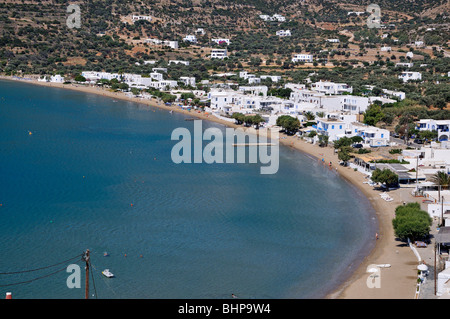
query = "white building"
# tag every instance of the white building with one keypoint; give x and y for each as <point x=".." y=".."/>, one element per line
<point x="171" y="44"/>
<point x="404" y="64"/>
<point x="255" y="90"/>
<point x="191" y="38"/>
<point x="283" y="33"/>
<point x="57" y="78"/>
<point x="399" y="94"/>
<point x="200" y="31"/>
<point x="331" y="87"/>
<point x="178" y="62"/>
<point x="253" y="80"/>
<point x="441" y="126"/>
<point x="137" y="18"/>
<point x="333" y="40"/>
<point x="218" y="53"/>
<point x="159" y="70"/>
<point x="278" y="17"/>
<point x="333" y="128"/>
<point x="372" y="136"/>
<point x="386" y="49"/>
<point x="358" y="13"/>
<point x="408" y="76"/>
<point x="156" y="76"/>
<point x="221" y="41"/>
<point x="302" y="58"/>
<point x="274" y="78"/>
<point x="188" y="81"/>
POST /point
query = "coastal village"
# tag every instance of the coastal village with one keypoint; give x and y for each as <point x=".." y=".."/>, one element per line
<point x="327" y="111"/>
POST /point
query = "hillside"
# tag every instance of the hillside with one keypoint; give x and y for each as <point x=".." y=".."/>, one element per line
<point x="34" y="38"/>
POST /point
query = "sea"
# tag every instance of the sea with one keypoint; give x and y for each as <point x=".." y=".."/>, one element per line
<point x="81" y="171"/>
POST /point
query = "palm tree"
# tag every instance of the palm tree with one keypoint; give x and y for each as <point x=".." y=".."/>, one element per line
<point x="442" y="179"/>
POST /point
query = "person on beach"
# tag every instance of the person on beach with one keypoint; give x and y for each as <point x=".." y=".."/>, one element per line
<point x="376" y="235"/>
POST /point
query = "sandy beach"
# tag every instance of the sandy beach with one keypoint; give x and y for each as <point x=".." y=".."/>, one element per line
<point x="397" y="281"/>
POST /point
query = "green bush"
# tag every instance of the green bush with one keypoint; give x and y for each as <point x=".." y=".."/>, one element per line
<point x="411" y="222"/>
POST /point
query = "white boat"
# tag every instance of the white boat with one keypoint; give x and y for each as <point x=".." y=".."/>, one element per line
<point x="107" y="273"/>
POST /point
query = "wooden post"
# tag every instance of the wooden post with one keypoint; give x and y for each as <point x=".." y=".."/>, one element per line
<point x="435" y="244"/>
<point x="87" y="274"/>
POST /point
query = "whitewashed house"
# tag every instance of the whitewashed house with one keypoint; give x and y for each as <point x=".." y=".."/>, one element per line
<point x="333" y="40"/>
<point x="278" y="17"/>
<point x="138" y="18"/>
<point x="302" y="58"/>
<point x="404" y="64"/>
<point x="283" y="33"/>
<point x="157" y="76"/>
<point x="178" y="62"/>
<point x="441" y="126"/>
<point x="408" y="76"/>
<point x="274" y="78"/>
<point x="372" y="136"/>
<point x="188" y="81"/>
<point x="221" y="41"/>
<point x="398" y="94"/>
<point x="331" y="87"/>
<point x="386" y="49"/>
<point x="219" y="53"/>
<point x="253" y="80"/>
<point x="171" y="44"/>
<point x="57" y="78"/>
<point x="190" y="38"/>
<point x="255" y="90"/>
<point x="200" y="31"/>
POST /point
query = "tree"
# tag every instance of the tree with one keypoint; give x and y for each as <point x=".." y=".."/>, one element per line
<point x="357" y="139"/>
<point x="323" y="140"/>
<point x="384" y="176"/>
<point x="428" y="135"/>
<point x="411" y="222"/>
<point x="310" y="116"/>
<point x="239" y="117"/>
<point x="344" y="155"/>
<point x="442" y="179"/>
<point x="288" y="123"/>
<point x="80" y="78"/>
<point x="343" y="141"/>
<point x="373" y="115"/>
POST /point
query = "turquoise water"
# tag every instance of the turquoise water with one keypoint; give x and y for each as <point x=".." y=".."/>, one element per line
<point x="97" y="174"/>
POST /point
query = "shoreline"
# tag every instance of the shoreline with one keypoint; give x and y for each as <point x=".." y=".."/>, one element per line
<point x="397" y="282"/>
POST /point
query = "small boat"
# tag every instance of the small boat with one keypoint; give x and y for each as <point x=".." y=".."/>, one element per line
<point x="107" y="273"/>
<point x="105" y="254"/>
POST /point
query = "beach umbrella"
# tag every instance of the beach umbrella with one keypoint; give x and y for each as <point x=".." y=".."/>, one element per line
<point x="422" y="267"/>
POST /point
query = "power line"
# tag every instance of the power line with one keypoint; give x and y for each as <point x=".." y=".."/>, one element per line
<point x="31" y="270"/>
<point x="93" y="281"/>
<point x="31" y="280"/>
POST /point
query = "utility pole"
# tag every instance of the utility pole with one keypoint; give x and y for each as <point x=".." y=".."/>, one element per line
<point x="86" y="258"/>
<point x="435" y="268"/>
<point x="442" y="211"/>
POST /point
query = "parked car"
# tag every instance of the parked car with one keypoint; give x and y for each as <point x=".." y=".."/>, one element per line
<point x="357" y="145"/>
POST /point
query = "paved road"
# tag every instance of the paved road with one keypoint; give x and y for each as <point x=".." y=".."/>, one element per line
<point x="402" y="142"/>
